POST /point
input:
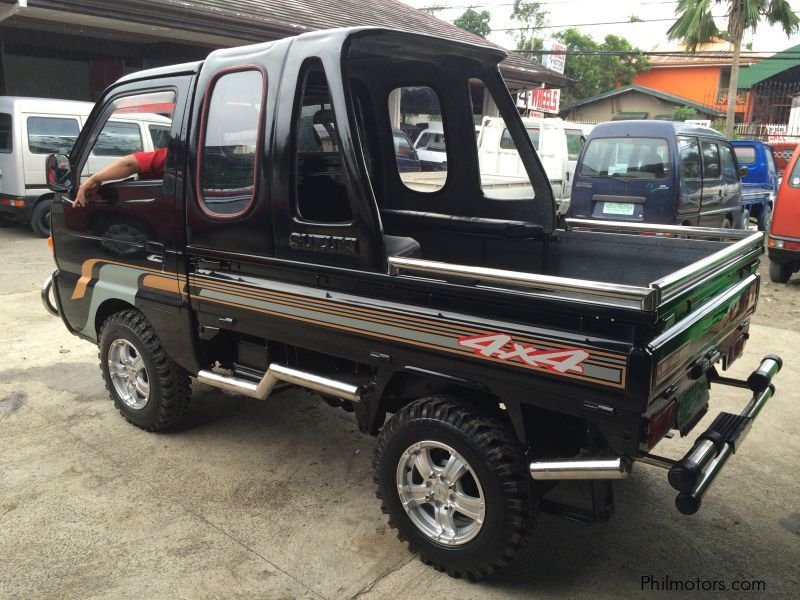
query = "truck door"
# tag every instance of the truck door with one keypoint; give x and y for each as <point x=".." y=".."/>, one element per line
<point x="691" y="181"/>
<point x="712" y="207"/>
<point x="125" y="243"/>
<point x="731" y="186"/>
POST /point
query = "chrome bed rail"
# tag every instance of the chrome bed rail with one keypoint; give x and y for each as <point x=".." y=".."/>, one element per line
<point x="748" y="247"/>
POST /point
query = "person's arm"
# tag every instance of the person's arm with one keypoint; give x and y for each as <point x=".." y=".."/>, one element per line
<point x="121" y="168"/>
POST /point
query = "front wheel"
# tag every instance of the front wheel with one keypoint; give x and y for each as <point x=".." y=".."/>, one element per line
<point x="40" y="217"/>
<point x="764" y="218"/>
<point x="147" y="387"/>
<point x="453" y="481"/>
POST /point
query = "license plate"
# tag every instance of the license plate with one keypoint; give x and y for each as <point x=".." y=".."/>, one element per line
<point x="691" y="402"/>
<point x="617" y="208"/>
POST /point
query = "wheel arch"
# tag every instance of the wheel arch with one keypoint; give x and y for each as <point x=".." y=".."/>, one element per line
<point x="110" y="307"/>
<point x="400" y="388"/>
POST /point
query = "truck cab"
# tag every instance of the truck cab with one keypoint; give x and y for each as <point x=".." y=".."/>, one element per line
<point x="492" y="353"/>
<point x="760" y="185"/>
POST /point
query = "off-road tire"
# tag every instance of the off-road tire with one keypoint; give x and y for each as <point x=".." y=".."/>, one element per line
<point x="779" y="272"/>
<point x="489" y="446"/>
<point x="170" y="389"/>
<point x="40" y="217"/>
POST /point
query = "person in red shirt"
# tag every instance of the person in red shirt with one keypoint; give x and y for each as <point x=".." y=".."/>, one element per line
<point x="148" y="165"/>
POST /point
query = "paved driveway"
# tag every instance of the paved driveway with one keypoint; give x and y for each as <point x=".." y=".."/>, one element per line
<point x="274" y="499"/>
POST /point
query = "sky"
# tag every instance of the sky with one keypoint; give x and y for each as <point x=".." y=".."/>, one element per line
<point x="586" y="15"/>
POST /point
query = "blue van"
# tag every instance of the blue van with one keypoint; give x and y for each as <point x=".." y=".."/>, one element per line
<point x="760" y="186"/>
<point x="658" y="172"/>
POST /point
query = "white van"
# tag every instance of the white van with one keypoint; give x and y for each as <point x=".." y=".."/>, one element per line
<point x="32" y="128"/>
<point x="430" y="147"/>
<point x="557" y="142"/>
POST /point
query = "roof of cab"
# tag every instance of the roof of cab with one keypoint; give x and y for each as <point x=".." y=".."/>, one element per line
<point x="651" y="128"/>
<point x="51" y="105"/>
<point x="337" y="37"/>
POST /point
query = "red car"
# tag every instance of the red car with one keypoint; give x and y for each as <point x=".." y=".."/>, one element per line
<point x="784" y="236"/>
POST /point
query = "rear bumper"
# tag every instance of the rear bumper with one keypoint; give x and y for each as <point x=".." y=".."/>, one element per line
<point x="783" y="255"/>
<point x="692" y="475"/>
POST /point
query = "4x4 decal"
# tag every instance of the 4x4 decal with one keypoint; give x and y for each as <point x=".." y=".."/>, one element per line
<point x="502" y="346"/>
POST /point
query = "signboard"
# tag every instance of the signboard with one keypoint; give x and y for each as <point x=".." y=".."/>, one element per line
<point x="558" y="59"/>
<point x="776" y="133"/>
<point x="545" y="100"/>
<point x="699" y="122"/>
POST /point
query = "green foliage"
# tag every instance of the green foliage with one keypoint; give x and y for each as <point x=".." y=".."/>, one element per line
<point x="597" y="73"/>
<point x="682" y="113"/>
<point x="719" y="125"/>
<point x="695" y="24"/>
<point x="531" y="18"/>
<point x="474" y="21"/>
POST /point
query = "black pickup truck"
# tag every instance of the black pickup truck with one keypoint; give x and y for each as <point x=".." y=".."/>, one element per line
<point x="283" y="246"/>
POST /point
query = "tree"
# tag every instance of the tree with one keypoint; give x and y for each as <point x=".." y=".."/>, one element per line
<point x="531" y="19"/>
<point x="595" y="73"/>
<point x="474" y="21"/>
<point x="695" y="25"/>
<point x="683" y="113"/>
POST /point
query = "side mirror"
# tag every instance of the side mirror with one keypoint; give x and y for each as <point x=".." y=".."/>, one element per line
<point x="59" y="173"/>
<point x="743" y="171"/>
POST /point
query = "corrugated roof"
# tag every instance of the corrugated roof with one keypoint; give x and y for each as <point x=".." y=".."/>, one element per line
<point x="690" y="60"/>
<point x="769" y="67"/>
<point x="650" y="92"/>
<point x="264" y="20"/>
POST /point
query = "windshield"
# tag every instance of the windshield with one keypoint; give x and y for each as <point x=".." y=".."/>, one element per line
<point x="635" y="158"/>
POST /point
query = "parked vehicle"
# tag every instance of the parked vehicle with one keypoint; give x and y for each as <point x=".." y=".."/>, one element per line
<point x="431" y="148"/>
<point x="760" y="185"/>
<point x="557" y="143"/>
<point x="658" y="172"/>
<point x="782" y="152"/>
<point x="783" y="243"/>
<point x="405" y="155"/>
<point x="32" y="128"/>
<point x="511" y="354"/>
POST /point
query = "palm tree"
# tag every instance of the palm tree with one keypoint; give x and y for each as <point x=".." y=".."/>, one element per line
<point x="695" y="25"/>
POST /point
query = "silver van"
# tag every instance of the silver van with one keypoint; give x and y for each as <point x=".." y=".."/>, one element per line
<point x="33" y="128"/>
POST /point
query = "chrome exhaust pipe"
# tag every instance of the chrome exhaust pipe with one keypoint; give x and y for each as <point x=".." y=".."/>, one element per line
<point x="276" y="373"/>
<point x="588" y="468"/>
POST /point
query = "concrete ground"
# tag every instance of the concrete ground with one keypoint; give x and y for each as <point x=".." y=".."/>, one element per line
<point x="275" y="500"/>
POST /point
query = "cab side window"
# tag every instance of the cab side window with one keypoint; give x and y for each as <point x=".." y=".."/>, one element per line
<point x="728" y="163"/>
<point x="121" y="132"/>
<point x="320" y="182"/>
<point x="52" y="135"/>
<point x="230" y="133"/>
<point x="711" y="166"/>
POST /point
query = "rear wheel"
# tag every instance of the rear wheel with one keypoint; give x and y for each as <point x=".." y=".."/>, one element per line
<point x="40" y="217"/>
<point x="780" y="272"/>
<point x="453" y="481"/>
<point x="147" y="387"/>
<point x="745" y="220"/>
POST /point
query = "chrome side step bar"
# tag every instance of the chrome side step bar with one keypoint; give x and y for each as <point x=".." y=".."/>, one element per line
<point x="590" y="468"/>
<point x="276" y="373"/>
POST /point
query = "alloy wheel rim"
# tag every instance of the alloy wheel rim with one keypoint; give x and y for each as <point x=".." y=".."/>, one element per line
<point x="440" y="493"/>
<point x="128" y="374"/>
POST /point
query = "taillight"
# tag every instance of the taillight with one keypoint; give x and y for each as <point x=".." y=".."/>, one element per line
<point x="661" y="423"/>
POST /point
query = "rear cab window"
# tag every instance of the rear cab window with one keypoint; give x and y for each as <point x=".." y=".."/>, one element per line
<point x="575" y="143"/>
<point x="746" y="155"/>
<point x="626" y="157"/>
<point x="417" y="107"/>
<point x="48" y="135"/>
<point x="5" y="133"/>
